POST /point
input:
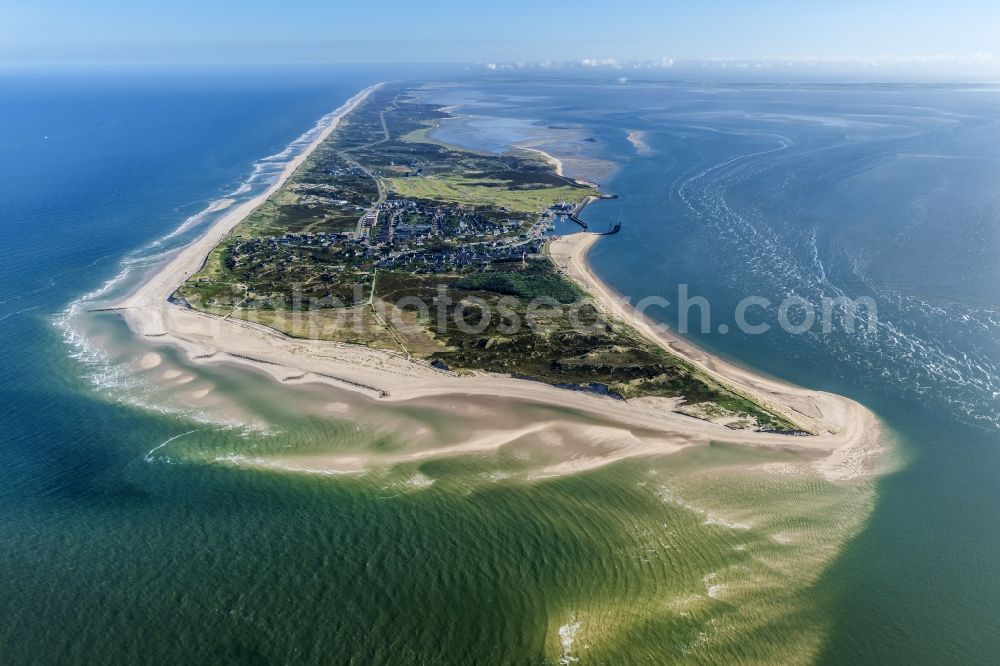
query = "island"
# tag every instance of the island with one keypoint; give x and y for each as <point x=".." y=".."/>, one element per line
<point x="385" y="262"/>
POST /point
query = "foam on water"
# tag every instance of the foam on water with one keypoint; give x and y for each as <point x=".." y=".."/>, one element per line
<point x="117" y="378"/>
<point x="668" y="495"/>
<point x="931" y="367"/>
<point x="567" y="635"/>
<point x="713" y="589"/>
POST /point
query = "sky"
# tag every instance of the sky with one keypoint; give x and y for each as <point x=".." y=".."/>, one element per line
<point x="961" y="35"/>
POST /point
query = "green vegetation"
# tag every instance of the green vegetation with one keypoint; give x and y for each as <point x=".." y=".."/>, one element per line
<point x="522" y="285"/>
<point x="574" y="345"/>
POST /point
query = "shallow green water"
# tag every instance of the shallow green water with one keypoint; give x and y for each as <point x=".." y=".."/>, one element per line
<point x="197" y="553"/>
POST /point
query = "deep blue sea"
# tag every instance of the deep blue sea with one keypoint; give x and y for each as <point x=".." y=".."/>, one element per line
<point x="891" y="192"/>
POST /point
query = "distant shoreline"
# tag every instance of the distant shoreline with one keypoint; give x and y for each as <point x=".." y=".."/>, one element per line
<point x="844" y="445"/>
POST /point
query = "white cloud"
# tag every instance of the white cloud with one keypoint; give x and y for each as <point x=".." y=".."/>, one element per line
<point x="975" y="65"/>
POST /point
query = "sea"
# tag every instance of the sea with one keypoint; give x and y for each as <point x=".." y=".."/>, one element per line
<point x="169" y="513"/>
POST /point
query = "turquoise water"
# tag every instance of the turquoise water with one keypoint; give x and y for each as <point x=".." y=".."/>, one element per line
<point x="161" y="515"/>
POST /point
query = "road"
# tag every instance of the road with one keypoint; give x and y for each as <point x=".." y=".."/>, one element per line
<point x="360" y="232"/>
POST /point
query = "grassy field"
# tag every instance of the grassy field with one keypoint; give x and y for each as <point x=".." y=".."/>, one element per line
<point x="490" y="192"/>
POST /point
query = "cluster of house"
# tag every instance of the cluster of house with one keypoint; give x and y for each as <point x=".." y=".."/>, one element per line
<point x="442" y="260"/>
<point x="404" y="229"/>
<point x="409" y="220"/>
<point x="261" y="249"/>
<point x="345" y="171"/>
<point x="415" y="168"/>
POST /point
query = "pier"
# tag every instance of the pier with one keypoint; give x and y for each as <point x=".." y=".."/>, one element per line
<point x="574" y="215"/>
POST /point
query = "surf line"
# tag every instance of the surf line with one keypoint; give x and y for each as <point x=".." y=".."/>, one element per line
<point x="149" y="456"/>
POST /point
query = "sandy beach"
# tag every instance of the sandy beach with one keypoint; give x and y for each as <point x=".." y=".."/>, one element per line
<point x="557" y="164"/>
<point x="551" y="159"/>
<point x="845" y="443"/>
